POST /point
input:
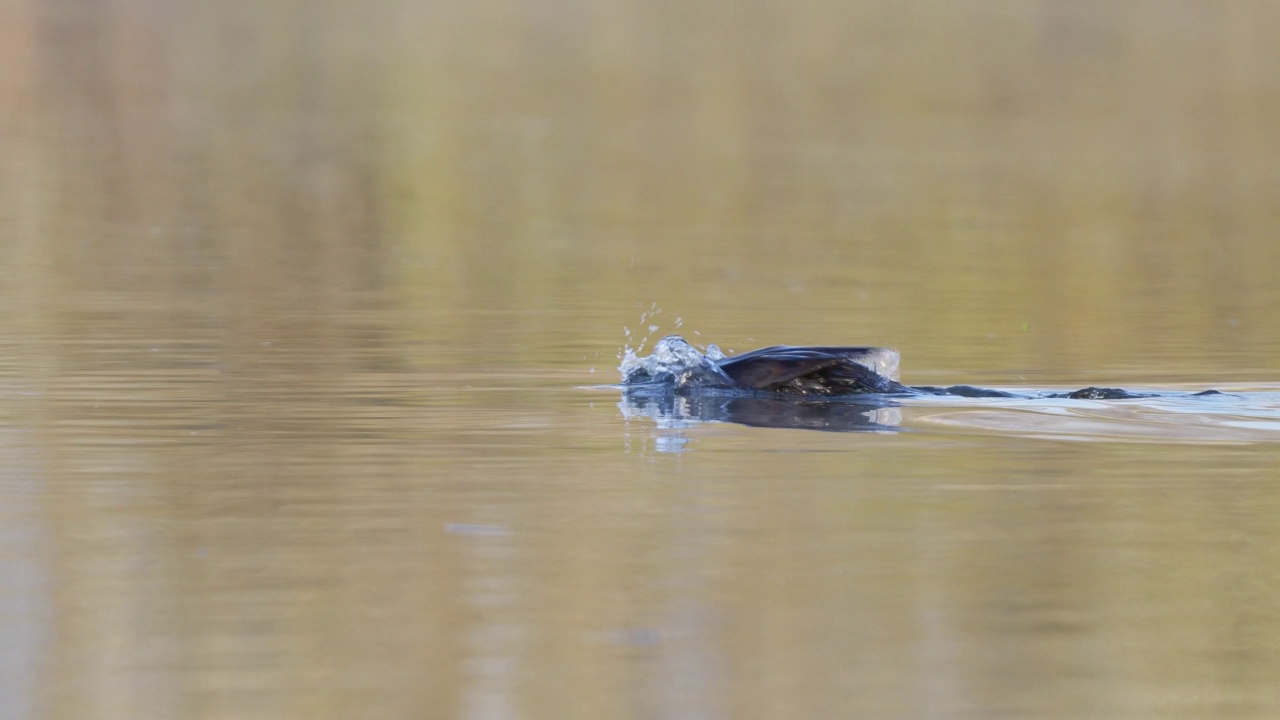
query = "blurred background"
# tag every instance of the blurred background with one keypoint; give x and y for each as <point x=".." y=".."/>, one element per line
<point x="928" y="175"/>
<point x="296" y="300"/>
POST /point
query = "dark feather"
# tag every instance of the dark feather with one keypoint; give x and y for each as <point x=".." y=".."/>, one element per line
<point x="809" y="371"/>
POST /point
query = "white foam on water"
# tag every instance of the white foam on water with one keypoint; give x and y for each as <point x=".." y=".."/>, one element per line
<point x="673" y="359"/>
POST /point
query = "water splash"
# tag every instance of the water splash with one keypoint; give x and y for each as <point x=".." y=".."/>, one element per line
<point x="645" y="318"/>
<point x="674" y="361"/>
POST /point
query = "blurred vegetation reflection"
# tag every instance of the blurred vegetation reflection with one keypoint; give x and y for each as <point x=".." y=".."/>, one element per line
<point x="292" y="293"/>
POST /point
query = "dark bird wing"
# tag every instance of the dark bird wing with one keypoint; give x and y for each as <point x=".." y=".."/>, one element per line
<point x="813" y="370"/>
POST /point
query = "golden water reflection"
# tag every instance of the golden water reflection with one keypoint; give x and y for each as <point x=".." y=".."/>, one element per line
<point x="298" y="300"/>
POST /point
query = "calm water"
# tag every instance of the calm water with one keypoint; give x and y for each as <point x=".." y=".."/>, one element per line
<point x="304" y="308"/>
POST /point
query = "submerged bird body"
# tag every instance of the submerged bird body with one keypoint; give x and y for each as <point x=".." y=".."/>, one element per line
<point x="816" y="370"/>
<point x="781" y="370"/>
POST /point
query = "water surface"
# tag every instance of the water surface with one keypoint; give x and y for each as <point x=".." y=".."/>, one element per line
<point x="302" y="307"/>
